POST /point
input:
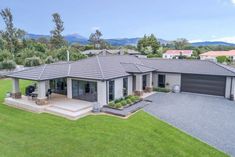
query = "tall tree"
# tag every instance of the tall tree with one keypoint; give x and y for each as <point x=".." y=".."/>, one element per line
<point x="11" y="34"/>
<point x="148" y="44"/>
<point x="180" y="43"/>
<point x="95" y="39"/>
<point x="57" y="40"/>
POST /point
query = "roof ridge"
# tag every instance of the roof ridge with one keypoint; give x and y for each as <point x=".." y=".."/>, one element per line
<point x="98" y="61"/>
<point x="138" y="67"/>
<point x="42" y="71"/>
<point x="222" y="66"/>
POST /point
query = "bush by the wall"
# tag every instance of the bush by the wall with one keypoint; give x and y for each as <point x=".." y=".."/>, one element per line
<point x="159" y="89"/>
<point x="49" y="60"/>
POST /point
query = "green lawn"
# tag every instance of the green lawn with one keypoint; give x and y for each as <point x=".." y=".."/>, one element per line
<point x="25" y="134"/>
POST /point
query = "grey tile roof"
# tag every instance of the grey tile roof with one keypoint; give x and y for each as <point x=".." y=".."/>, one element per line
<point x="188" y="66"/>
<point x="109" y="67"/>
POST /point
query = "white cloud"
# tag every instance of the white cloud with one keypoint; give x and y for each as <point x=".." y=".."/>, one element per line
<point x="95" y="28"/>
<point x="233" y="1"/>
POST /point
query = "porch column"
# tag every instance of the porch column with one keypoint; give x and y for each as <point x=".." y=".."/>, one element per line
<point x="101" y="93"/>
<point x="69" y="88"/>
<point x="16" y="94"/>
<point x="149" y="87"/>
<point x="139" y="85"/>
<point x="41" y="99"/>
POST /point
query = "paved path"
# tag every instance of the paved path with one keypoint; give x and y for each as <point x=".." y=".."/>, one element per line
<point x="209" y="118"/>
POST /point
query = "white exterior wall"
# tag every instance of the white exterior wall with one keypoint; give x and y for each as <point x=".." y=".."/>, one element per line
<point x="15" y="85"/>
<point x="130" y="84"/>
<point x="229" y="90"/>
<point x="139" y="82"/>
<point x="101" y="93"/>
<point x="69" y="88"/>
<point x="171" y="79"/>
<point x="41" y="89"/>
<point x="118" y="88"/>
<point x="150" y="80"/>
<point x="171" y="56"/>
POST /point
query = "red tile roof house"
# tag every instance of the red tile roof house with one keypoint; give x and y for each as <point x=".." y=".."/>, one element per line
<point x="211" y="55"/>
<point x="78" y="85"/>
<point x="170" y="54"/>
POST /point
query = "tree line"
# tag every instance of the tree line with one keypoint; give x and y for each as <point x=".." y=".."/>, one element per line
<point x="16" y="49"/>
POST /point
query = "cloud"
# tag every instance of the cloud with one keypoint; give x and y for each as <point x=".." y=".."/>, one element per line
<point x="233" y="2"/>
<point x="95" y="28"/>
<point x="223" y="39"/>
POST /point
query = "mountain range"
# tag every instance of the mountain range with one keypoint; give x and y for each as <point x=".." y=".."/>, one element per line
<point x="76" y="38"/>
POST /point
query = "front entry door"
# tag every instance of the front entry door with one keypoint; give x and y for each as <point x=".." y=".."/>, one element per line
<point x="161" y="81"/>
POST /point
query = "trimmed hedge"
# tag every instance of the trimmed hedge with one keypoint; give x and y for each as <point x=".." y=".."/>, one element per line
<point x="164" y="90"/>
<point x="119" y="103"/>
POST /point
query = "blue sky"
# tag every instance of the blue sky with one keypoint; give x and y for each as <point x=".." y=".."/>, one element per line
<point x="168" y="19"/>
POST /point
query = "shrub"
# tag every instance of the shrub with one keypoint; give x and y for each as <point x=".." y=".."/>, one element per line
<point x="5" y="55"/>
<point x="112" y="104"/>
<point x="33" y="61"/>
<point x="49" y="60"/>
<point x="133" y="99"/>
<point x="118" y="105"/>
<point x="159" y="89"/>
<point x="7" y="64"/>
<point x="129" y="101"/>
<point x="123" y="102"/>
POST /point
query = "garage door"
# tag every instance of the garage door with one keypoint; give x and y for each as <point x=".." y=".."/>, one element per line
<point x="203" y="84"/>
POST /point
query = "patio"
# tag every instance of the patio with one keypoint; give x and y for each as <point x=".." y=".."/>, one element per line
<point x="58" y="105"/>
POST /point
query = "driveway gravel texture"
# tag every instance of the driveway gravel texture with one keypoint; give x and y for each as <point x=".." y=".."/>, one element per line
<point x="208" y="118"/>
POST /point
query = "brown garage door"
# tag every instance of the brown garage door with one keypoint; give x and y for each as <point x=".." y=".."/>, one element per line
<point x="203" y="84"/>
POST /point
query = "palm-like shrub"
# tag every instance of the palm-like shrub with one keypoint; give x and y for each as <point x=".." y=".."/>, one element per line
<point x="33" y="61"/>
<point x="7" y="64"/>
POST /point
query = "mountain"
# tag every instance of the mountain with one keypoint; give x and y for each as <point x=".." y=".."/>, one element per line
<point x="76" y="38"/>
<point x="212" y="43"/>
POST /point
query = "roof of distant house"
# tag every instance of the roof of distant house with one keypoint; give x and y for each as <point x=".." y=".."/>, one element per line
<point x="178" y="52"/>
<point x="219" y="53"/>
<point x="115" y="66"/>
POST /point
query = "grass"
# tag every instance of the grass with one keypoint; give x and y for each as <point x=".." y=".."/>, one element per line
<point x="25" y="134"/>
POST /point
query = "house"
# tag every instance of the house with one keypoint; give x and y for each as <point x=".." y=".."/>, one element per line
<point x="211" y="55"/>
<point x="111" y="52"/>
<point x="170" y="54"/>
<point x="103" y="79"/>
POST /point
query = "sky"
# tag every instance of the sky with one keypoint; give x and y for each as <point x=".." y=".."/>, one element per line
<point x="196" y="20"/>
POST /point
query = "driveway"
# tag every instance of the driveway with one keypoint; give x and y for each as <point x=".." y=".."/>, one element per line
<point x="209" y="118"/>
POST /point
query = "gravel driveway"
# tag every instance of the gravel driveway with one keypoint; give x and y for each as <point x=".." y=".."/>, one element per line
<point x="209" y="118"/>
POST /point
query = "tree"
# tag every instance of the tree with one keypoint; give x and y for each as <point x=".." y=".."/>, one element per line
<point x="180" y="43"/>
<point x="223" y="59"/>
<point x="33" y="61"/>
<point x="148" y="44"/>
<point x="57" y="40"/>
<point x="95" y="39"/>
<point x="11" y="34"/>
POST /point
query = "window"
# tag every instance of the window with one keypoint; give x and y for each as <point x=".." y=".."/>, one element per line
<point x="144" y="82"/>
<point x="161" y="81"/>
<point x="125" y="87"/>
<point x="111" y="90"/>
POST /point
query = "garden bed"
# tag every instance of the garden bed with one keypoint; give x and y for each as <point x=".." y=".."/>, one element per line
<point x="125" y="111"/>
<point x="123" y="103"/>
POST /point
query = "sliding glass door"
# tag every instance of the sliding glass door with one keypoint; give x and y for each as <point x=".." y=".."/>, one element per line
<point x="84" y="90"/>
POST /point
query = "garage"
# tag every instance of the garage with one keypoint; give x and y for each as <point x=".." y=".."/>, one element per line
<point x="203" y="84"/>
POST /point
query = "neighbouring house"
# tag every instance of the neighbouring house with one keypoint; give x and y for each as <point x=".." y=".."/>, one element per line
<point x="105" y="52"/>
<point x="211" y="55"/>
<point x="103" y="79"/>
<point x="170" y="54"/>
